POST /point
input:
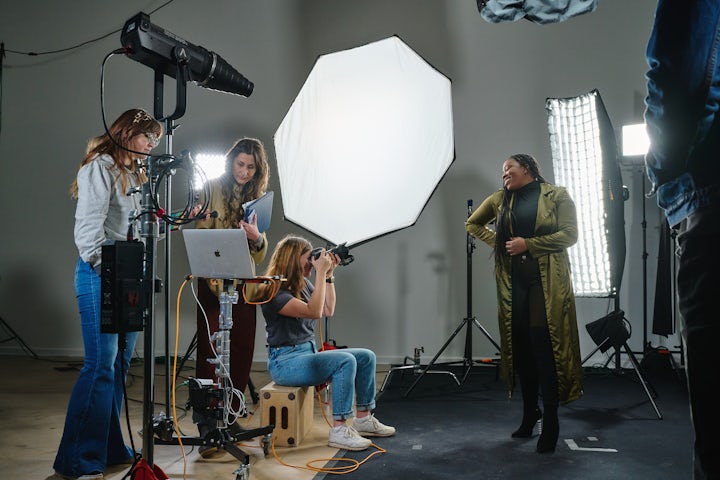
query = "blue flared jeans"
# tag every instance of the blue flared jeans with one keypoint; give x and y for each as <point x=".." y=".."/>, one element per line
<point x="351" y="371"/>
<point x="93" y="438"/>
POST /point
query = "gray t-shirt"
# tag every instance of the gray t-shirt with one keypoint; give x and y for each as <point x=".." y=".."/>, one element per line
<point x="285" y="331"/>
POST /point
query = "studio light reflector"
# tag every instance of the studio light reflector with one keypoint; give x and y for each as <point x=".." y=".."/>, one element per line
<point x="368" y="138"/>
<point x="584" y="157"/>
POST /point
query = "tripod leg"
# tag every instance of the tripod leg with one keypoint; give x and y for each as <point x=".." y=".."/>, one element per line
<point x="389" y="374"/>
<point x="432" y="362"/>
<point x="191" y="348"/>
<point x="14" y="336"/>
<point x="487" y="334"/>
<point x="595" y="350"/>
<point x="636" y="366"/>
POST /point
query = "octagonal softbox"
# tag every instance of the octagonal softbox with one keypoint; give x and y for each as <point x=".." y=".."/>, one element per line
<point x="365" y="143"/>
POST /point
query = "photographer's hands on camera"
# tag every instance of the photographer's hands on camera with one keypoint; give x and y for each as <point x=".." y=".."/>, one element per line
<point x="324" y="263"/>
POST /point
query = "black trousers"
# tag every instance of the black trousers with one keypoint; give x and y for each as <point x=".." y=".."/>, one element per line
<point x="698" y="268"/>
<point x="532" y="349"/>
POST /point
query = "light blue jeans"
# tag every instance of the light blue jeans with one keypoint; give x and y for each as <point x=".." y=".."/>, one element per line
<point x="92" y="438"/>
<point x="351" y="371"/>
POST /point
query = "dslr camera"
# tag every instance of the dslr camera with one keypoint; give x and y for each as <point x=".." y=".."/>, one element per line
<point x="341" y="251"/>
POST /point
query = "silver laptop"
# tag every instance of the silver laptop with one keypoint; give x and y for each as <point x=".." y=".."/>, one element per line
<point x="218" y="253"/>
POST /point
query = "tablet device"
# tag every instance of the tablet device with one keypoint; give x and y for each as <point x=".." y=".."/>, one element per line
<point x="262" y="209"/>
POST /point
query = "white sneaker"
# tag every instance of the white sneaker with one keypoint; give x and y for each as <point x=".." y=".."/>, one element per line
<point x="370" y="426"/>
<point x="345" y="437"/>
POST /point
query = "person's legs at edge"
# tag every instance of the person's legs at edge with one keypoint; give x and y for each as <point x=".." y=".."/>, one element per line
<point x="242" y="346"/>
<point x="697" y="289"/>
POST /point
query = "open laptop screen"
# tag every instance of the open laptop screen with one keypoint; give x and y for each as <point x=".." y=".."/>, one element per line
<point x="218" y="253"/>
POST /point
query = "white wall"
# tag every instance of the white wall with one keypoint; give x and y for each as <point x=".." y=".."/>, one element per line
<point x="405" y="290"/>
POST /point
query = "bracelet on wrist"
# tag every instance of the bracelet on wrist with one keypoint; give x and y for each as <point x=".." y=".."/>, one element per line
<point x="330" y="279"/>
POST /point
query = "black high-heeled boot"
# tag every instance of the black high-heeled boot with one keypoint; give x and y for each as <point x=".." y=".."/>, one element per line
<point x="530" y="386"/>
<point x="529" y="420"/>
<point x="544" y="359"/>
<point x="549" y="434"/>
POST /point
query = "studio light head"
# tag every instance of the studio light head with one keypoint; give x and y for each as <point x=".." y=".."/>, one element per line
<point x="163" y="51"/>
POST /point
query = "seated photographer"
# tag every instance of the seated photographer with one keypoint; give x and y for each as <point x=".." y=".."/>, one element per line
<point x="293" y="358"/>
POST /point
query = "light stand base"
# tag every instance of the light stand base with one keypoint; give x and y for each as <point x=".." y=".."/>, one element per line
<point x="221" y="438"/>
<point x="416" y="368"/>
<point x="467" y="362"/>
<point x="636" y="367"/>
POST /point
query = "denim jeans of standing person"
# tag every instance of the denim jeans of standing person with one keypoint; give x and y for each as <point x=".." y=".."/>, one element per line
<point x="682" y="164"/>
<point x="351" y="370"/>
<point x="93" y="438"/>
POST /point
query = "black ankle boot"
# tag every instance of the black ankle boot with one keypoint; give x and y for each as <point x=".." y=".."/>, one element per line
<point x="549" y="435"/>
<point x="530" y="418"/>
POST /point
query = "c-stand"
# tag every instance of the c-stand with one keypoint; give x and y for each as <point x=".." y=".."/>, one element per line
<point x="160" y="429"/>
<point x="467" y="362"/>
<point x="214" y="401"/>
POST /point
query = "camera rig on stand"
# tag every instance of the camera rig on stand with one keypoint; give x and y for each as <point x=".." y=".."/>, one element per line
<point x="214" y="400"/>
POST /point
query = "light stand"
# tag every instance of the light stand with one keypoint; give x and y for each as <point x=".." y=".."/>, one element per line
<point x="181" y="62"/>
<point x="646" y="344"/>
<point x="610" y="331"/>
<point x="149" y="233"/>
<point x="467" y="362"/>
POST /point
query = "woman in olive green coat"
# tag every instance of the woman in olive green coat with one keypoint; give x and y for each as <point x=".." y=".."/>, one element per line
<point x="535" y="222"/>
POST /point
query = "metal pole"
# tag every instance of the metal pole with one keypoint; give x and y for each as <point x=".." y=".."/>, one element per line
<point x="149" y="234"/>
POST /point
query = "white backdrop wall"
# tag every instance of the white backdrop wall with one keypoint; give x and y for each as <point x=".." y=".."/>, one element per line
<point x="404" y="290"/>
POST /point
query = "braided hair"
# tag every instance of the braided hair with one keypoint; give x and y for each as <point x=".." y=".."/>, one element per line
<point x="504" y="220"/>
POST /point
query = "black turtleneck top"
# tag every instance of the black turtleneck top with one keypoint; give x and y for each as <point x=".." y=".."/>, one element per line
<point x="525" y="209"/>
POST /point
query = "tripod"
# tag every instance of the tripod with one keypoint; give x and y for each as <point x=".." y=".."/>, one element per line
<point x="610" y="331"/>
<point x="12" y="335"/>
<point x="467" y="362"/>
